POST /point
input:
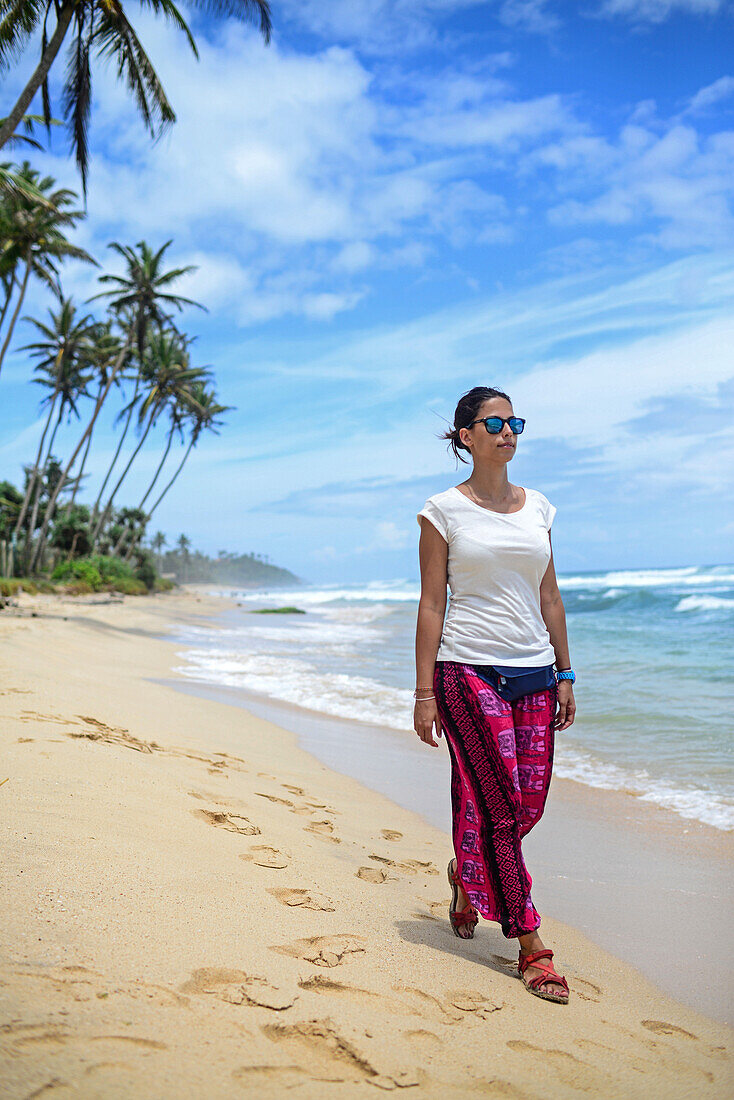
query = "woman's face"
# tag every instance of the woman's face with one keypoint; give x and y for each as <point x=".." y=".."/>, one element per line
<point x="483" y="445"/>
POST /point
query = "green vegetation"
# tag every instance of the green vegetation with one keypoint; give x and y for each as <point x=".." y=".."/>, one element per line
<point x="278" y="611"/>
<point x="130" y="355"/>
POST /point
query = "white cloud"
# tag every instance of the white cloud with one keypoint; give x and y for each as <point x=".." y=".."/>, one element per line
<point x="490" y="123"/>
<point x="677" y="186"/>
<point x="657" y="11"/>
<point x="711" y="94"/>
<point x="377" y="26"/>
<point x="529" y="15"/>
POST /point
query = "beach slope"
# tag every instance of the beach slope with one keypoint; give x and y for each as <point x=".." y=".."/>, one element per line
<point x="193" y="906"/>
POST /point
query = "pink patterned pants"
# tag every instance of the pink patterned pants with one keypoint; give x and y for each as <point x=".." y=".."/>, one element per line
<point x="501" y="761"/>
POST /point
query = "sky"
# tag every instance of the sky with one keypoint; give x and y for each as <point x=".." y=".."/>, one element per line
<point x="398" y="200"/>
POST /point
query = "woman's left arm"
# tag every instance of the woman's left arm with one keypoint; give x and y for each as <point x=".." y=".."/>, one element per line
<point x="554" y="617"/>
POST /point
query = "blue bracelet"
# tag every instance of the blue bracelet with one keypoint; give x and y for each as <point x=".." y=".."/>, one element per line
<point x="567" y="674"/>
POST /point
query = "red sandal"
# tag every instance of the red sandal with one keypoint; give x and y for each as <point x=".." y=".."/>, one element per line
<point x="468" y="915"/>
<point x="548" y="976"/>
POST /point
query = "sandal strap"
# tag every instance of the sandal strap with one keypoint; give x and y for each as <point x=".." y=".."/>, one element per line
<point x="529" y="960"/>
<point x="548" y="974"/>
<point x="467" y="915"/>
<point x="548" y="978"/>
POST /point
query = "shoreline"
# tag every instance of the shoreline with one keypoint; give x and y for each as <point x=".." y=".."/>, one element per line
<point x="146" y="949"/>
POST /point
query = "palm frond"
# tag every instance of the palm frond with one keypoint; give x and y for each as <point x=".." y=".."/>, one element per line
<point x="248" y="11"/>
<point x="77" y="98"/>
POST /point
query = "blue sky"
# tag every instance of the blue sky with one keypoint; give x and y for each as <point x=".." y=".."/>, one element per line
<point x="396" y="201"/>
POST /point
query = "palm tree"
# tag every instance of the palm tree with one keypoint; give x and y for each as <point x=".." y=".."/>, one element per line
<point x="101" y="355"/>
<point x="183" y="386"/>
<point x="129" y="409"/>
<point x="183" y="543"/>
<point x="139" y="297"/>
<point x="100" y="25"/>
<point x="61" y="359"/>
<point x="31" y="239"/>
<point x="204" y="415"/>
<point x="168" y="379"/>
<point x="157" y="543"/>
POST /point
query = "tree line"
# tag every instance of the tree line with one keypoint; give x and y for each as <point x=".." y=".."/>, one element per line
<point x="131" y="353"/>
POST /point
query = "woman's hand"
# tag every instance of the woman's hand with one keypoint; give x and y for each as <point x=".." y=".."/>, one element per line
<point x="566" y="706"/>
<point x="425" y="716"/>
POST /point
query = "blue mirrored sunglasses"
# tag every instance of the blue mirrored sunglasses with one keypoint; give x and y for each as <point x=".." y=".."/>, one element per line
<point x="495" y="424"/>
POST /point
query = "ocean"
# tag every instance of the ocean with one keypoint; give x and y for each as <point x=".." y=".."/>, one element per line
<point x="652" y="650"/>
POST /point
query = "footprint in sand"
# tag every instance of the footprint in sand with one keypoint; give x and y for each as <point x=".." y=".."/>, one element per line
<point x="262" y="855"/>
<point x="322" y="828"/>
<point x="591" y="992"/>
<point x="302" y="899"/>
<point x="319" y="983"/>
<point x="326" y="1054"/>
<point x="303" y="809"/>
<point x="238" y="988"/>
<point x="327" y="951"/>
<point x="275" y="798"/>
<point x="391" y="834"/>
<point x="453" y="1007"/>
<point x="571" y="1071"/>
<point x="660" y="1027"/>
<point x="256" y="1077"/>
<point x="371" y="874"/>
<point x="113" y="735"/>
<point x="390" y="1006"/>
<point x="293" y="789"/>
<point x="233" y="823"/>
<point x="408" y="866"/>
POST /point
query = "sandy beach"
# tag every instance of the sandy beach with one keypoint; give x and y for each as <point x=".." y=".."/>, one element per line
<point x="195" y="906"/>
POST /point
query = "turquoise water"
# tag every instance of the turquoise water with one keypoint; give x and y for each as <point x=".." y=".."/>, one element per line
<point x="652" y="650"/>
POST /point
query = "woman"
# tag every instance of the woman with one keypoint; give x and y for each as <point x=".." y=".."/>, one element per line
<point x="486" y="676"/>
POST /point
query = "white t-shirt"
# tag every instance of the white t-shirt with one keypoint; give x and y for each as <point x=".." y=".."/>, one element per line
<point x="496" y="562"/>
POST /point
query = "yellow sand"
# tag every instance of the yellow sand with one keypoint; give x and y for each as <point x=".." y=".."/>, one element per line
<point x="192" y="906"/>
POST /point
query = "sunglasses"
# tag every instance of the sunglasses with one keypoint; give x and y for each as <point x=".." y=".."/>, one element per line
<point x="495" y="424"/>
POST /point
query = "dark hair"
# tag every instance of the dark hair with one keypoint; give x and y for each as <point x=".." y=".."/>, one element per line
<point x="469" y="405"/>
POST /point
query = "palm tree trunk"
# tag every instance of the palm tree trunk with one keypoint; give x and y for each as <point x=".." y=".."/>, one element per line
<point x="178" y="471"/>
<point x="123" y="475"/>
<point x="78" y="481"/>
<point x="160" y="466"/>
<point x="16" y="311"/>
<point x="95" y="510"/>
<point x="62" y="480"/>
<point x="42" y="69"/>
<point x="78" y="478"/>
<point x="38" y="489"/>
<point x="36" y="468"/>
<point x="8" y="296"/>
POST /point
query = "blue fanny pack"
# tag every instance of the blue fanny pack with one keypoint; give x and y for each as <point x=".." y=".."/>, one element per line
<point x="511" y="682"/>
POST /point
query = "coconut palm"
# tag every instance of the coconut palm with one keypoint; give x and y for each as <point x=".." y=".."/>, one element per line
<point x="157" y="373"/>
<point x="182" y="405"/>
<point x="100" y="355"/>
<point x="100" y="26"/>
<point x="32" y="240"/>
<point x="204" y="416"/>
<point x="183" y="543"/>
<point x="63" y="370"/>
<point x="128" y="409"/>
<point x="168" y="374"/>
<point x="140" y="298"/>
<point x="157" y="543"/>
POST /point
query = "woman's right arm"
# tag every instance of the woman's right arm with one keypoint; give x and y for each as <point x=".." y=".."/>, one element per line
<point x="433" y="554"/>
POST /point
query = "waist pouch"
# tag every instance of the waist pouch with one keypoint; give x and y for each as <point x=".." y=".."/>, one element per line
<point x="511" y="683"/>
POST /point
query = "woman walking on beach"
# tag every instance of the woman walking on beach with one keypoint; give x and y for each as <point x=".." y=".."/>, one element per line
<point x="486" y="677"/>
